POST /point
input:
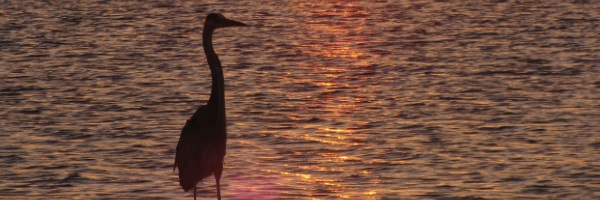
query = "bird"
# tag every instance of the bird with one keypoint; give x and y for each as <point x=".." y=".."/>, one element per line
<point x="201" y="149"/>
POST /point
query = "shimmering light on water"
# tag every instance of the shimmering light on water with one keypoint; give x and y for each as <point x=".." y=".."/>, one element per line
<point x="422" y="99"/>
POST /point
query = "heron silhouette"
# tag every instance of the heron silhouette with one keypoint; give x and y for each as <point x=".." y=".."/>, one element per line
<point x="203" y="139"/>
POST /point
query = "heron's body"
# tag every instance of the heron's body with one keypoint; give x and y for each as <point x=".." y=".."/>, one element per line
<point x="202" y="144"/>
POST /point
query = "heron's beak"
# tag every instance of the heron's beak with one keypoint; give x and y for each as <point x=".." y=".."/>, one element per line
<point x="229" y="22"/>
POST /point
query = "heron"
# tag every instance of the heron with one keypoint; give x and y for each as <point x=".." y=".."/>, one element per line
<point x="202" y="144"/>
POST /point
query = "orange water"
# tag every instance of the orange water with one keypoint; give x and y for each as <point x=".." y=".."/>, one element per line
<point x="325" y="99"/>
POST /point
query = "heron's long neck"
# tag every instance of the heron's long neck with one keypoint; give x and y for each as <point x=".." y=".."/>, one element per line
<point x="217" y="94"/>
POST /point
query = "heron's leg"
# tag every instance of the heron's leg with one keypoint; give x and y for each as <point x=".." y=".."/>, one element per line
<point x="218" y="190"/>
<point x="194" y="191"/>
<point x="218" y="173"/>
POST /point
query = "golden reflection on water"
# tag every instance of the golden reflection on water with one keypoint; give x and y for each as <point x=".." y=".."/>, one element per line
<point x="328" y="42"/>
<point x="333" y="42"/>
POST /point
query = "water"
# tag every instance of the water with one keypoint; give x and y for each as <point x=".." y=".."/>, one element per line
<point x="424" y="99"/>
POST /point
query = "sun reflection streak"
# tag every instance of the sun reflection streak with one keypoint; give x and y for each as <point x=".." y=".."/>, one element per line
<point x="307" y="178"/>
<point x="335" y="33"/>
<point x="304" y="176"/>
<point x="337" y="130"/>
<point x="338" y="41"/>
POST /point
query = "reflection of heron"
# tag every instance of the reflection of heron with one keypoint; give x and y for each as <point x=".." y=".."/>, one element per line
<point x="201" y="146"/>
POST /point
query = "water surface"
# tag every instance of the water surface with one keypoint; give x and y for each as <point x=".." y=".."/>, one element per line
<point x="423" y="99"/>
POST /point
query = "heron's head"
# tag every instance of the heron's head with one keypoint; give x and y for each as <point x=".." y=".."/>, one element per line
<point x="217" y="20"/>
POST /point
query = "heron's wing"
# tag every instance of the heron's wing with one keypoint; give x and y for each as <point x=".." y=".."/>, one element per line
<point x="188" y="140"/>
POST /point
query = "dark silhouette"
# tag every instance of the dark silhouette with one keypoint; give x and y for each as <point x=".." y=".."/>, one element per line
<point x="201" y="146"/>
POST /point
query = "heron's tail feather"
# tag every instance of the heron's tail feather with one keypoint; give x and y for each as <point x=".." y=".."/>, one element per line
<point x="187" y="180"/>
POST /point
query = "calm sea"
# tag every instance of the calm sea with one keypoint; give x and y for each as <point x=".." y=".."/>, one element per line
<point x="405" y="99"/>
